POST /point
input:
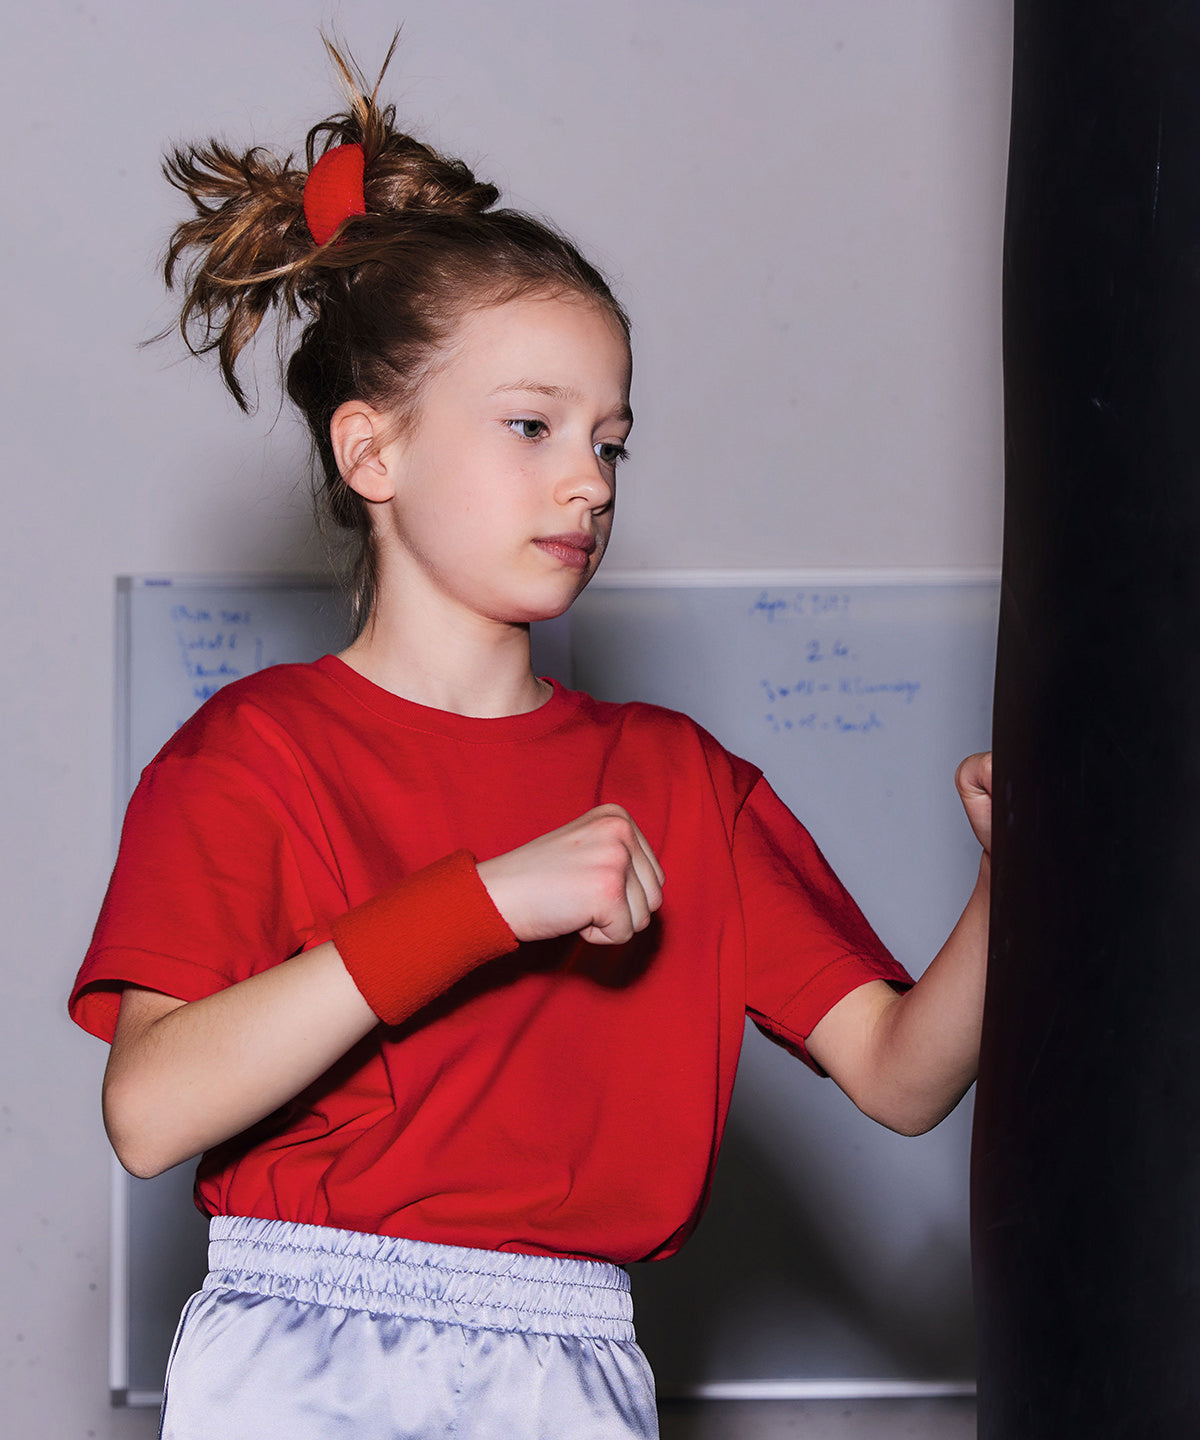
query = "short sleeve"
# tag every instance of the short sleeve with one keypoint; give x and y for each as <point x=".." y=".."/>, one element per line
<point x="205" y="891"/>
<point x="807" y="943"/>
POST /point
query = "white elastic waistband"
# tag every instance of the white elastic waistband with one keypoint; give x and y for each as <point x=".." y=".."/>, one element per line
<point x="486" y="1289"/>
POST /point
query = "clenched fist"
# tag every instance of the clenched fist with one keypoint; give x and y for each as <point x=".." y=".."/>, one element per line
<point x="596" y="877"/>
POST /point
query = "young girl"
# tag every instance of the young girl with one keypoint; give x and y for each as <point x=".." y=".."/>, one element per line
<point x="441" y="967"/>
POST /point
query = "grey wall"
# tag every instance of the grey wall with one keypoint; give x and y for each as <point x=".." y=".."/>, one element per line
<point x="801" y="204"/>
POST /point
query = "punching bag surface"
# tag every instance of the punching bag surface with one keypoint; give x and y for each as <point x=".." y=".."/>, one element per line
<point x="1086" y="1163"/>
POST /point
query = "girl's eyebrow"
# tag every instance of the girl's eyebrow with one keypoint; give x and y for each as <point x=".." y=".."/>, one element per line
<point x="559" y="392"/>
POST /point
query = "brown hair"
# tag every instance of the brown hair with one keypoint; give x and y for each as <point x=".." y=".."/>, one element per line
<point x="380" y="300"/>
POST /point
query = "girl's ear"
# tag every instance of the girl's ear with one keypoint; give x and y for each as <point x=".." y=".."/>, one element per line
<point x="362" y="446"/>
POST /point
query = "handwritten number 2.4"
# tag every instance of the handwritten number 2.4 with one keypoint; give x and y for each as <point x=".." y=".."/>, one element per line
<point x="839" y="650"/>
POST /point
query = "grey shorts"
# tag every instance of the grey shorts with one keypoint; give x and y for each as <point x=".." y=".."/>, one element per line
<point x="311" y="1333"/>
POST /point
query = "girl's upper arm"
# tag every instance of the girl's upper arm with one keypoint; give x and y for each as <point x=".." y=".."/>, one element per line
<point x="844" y="1040"/>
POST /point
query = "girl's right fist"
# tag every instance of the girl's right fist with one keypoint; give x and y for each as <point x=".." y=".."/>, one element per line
<point x="596" y="877"/>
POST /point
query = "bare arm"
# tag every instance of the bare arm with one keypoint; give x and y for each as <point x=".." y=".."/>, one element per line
<point x="182" y="1077"/>
<point x="907" y="1060"/>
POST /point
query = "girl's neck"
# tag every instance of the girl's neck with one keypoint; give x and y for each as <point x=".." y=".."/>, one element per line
<point x="474" y="667"/>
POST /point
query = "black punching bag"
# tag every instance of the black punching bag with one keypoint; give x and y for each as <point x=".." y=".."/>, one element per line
<point x="1086" y="1163"/>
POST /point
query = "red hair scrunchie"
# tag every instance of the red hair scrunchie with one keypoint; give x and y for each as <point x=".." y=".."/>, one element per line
<point x="334" y="191"/>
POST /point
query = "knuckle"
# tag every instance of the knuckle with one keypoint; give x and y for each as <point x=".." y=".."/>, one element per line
<point x="615" y="833"/>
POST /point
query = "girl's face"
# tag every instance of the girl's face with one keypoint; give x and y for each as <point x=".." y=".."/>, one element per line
<point x="503" y="487"/>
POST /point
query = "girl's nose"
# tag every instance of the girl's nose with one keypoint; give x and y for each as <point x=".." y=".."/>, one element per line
<point x="587" y="480"/>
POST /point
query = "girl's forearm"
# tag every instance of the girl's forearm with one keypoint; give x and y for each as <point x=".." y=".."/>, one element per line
<point x="928" y="1041"/>
<point x="184" y="1077"/>
<point x="907" y="1060"/>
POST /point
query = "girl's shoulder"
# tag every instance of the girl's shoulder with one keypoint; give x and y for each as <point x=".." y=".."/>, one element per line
<point x="270" y="709"/>
<point x="644" y="717"/>
<point x="680" y="743"/>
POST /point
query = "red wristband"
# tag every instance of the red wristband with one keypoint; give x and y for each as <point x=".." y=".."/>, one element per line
<point x="415" y="939"/>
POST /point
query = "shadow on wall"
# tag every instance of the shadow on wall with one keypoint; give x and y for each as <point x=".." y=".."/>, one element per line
<point x="943" y="1419"/>
<point x="761" y="1292"/>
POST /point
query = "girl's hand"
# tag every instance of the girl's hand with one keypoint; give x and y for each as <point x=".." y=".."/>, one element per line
<point x="596" y="876"/>
<point x="974" y="780"/>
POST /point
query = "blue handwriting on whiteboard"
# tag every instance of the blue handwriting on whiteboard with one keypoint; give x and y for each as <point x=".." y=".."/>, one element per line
<point x="811" y="721"/>
<point x="780" y="723"/>
<point x="204" y="648"/>
<point x="810" y="604"/>
<point x="859" y="686"/>
<point x="811" y="704"/>
<point x="815" y="652"/>
<point x="857" y="727"/>
<point x="219" y="641"/>
<point x="212" y="672"/>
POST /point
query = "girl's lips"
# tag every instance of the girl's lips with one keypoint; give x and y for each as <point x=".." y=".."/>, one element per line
<point x="572" y="550"/>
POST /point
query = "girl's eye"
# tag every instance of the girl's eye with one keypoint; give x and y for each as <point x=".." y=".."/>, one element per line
<point x="608" y="452"/>
<point x="527" y="429"/>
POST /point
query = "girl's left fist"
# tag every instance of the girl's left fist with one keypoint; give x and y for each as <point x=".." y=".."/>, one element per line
<point x="974" y="780"/>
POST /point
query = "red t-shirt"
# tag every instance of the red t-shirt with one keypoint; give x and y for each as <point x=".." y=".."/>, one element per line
<point x="566" y="1099"/>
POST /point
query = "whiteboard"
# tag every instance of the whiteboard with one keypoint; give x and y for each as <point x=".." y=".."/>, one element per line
<point x="834" y="1258"/>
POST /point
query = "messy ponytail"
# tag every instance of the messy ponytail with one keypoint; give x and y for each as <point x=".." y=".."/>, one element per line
<point x="378" y="299"/>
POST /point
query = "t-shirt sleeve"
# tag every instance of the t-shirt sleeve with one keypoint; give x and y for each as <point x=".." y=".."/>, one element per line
<point x="205" y="891"/>
<point x="807" y="942"/>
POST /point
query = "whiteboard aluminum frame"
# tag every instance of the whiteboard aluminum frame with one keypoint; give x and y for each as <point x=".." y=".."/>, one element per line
<point x="849" y="1389"/>
<point x="714" y="579"/>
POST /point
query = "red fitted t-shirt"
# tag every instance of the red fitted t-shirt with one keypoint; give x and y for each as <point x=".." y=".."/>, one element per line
<point x="566" y="1099"/>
